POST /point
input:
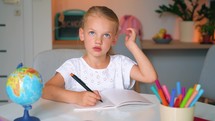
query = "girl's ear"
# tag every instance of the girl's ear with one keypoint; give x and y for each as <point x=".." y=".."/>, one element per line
<point x="81" y="34"/>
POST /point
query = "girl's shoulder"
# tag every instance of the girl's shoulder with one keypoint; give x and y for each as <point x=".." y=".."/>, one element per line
<point x="73" y="61"/>
<point x="121" y="59"/>
<point x="118" y="57"/>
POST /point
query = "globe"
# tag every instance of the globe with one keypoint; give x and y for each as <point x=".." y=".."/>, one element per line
<point x="24" y="87"/>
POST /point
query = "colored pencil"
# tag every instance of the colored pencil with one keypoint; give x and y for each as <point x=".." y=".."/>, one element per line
<point x="195" y="92"/>
<point x="163" y="99"/>
<point x="158" y="84"/>
<point x="178" y="87"/>
<point x="201" y="91"/>
<point x="172" y="99"/>
<point x="198" y="87"/>
<point x="178" y="101"/>
<point x="154" y="90"/>
<point x="186" y="98"/>
<point x="166" y="92"/>
<point x="183" y="91"/>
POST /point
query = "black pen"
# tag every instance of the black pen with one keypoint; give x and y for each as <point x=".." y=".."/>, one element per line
<point x="82" y="83"/>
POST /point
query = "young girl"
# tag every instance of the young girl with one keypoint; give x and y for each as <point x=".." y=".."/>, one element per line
<point x="98" y="68"/>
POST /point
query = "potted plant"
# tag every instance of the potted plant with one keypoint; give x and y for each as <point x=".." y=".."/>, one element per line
<point x="189" y="11"/>
<point x="207" y="31"/>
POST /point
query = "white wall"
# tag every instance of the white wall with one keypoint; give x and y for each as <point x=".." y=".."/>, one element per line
<point x="28" y="32"/>
<point x="42" y="25"/>
<point x="142" y="9"/>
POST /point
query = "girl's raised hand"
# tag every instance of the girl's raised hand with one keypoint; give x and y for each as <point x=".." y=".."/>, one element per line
<point x="130" y="36"/>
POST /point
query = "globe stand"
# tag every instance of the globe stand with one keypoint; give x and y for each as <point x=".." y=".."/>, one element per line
<point x="26" y="116"/>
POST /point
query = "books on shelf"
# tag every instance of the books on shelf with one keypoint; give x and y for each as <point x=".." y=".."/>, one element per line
<point x="114" y="98"/>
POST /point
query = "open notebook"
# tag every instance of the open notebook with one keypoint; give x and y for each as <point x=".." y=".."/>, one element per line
<point x="116" y="98"/>
<point x="3" y="119"/>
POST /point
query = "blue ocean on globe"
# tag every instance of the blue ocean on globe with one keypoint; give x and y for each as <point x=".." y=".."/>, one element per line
<point x="24" y="86"/>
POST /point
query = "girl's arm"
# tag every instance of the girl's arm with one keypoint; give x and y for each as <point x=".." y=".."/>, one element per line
<point x="144" y="70"/>
<point x="54" y="90"/>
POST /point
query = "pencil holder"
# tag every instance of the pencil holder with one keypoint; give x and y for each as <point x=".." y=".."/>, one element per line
<point x="176" y="114"/>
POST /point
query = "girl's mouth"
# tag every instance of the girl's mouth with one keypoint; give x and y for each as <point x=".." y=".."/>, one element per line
<point x="97" y="49"/>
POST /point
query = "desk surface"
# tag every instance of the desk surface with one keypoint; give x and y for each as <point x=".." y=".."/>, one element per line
<point x="54" y="111"/>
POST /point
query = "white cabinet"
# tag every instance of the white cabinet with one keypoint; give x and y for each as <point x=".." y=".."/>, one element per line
<point x="11" y="42"/>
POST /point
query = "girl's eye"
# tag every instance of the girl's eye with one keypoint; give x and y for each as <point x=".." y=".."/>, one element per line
<point x="107" y="35"/>
<point x="91" y="33"/>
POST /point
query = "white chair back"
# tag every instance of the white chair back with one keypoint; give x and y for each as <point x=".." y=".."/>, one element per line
<point x="48" y="61"/>
<point x="207" y="77"/>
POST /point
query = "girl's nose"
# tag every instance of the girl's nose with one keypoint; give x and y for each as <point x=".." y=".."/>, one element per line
<point x="98" y="40"/>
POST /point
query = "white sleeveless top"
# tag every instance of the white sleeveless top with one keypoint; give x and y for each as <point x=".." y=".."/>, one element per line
<point x="116" y="75"/>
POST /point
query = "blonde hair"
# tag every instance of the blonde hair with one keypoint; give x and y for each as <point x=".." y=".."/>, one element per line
<point x="105" y="12"/>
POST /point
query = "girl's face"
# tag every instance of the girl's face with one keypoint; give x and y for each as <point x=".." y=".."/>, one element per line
<point x="98" y="34"/>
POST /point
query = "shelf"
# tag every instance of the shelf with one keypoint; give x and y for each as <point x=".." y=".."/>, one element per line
<point x="76" y="44"/>
<point x="146" y="45"/>
<point x="176" y="45"/>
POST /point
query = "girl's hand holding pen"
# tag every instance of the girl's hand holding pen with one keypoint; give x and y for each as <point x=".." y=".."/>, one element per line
<point x="84" y="85"/>
<point x="87" y="98"/>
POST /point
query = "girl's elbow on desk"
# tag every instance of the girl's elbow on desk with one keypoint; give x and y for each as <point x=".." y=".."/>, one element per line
<point x="151" y="78"/>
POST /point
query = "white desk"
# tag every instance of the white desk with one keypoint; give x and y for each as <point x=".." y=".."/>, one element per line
<point x="54" y="111"/>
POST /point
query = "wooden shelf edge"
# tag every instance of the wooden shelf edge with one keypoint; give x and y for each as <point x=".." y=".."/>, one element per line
<point x="151" y="45"/>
